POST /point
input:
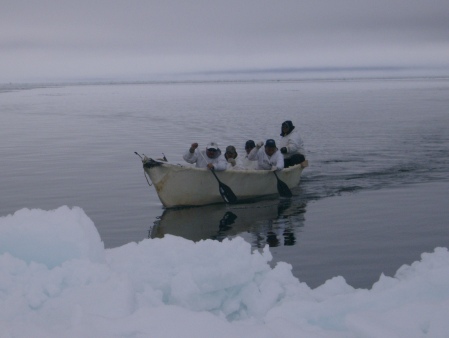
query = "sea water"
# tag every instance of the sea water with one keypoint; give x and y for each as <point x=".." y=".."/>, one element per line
<point x="373" y="198"/>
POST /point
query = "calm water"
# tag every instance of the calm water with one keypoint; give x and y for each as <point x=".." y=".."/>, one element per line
<point x="370" y="143"/>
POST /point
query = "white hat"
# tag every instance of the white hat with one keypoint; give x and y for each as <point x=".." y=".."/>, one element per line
<point x="212" y="145"/>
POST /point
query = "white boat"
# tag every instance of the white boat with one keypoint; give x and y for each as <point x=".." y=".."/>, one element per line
<point x="178" y="185"/>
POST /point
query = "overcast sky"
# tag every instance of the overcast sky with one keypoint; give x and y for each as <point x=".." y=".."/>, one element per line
<point x="48" y="39"/>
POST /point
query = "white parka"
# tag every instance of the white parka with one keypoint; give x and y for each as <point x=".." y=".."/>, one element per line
<point x="265" y="162"/>
<point x="238" y="165"/>
<point x="200" y="159"/>
<point x="248" y="164"/>
<point x="293" y="142"/>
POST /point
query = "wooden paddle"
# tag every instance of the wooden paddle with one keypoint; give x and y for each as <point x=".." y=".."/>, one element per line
<point x="283" y="189"/>
<point x="226" y="193"/>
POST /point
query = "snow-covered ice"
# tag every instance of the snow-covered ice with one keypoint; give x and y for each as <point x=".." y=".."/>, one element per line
<point x="57" y="280"/>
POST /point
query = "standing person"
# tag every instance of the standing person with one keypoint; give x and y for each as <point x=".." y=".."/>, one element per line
<point x="291" y="145"/>
<point x="246" y="162"/>
<point x="210" y="158"/>
<point x="269" y="158"/>
<point x="231" y="157"/>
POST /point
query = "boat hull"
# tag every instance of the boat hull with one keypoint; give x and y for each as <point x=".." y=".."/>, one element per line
<point x="178" y="185"/>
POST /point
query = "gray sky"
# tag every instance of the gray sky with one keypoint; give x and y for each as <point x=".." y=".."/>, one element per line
<point x="49" y="39"/>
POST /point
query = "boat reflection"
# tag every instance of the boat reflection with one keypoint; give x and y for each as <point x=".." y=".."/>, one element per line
<point x="275" y="223"/>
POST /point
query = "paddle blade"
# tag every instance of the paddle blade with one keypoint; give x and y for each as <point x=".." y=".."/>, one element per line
<point x="227" y="194"/>
<point x="283" y="189"/>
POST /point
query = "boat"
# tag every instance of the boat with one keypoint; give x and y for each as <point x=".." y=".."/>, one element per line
<point x="184" y="185"/>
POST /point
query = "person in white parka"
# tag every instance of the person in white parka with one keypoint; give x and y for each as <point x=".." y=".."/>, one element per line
<point x="291" y="145"/>
<point x="233" y="159"/>
<point x="211" y="158"/>
<point x="246" y="162"/>
<point x="269" y="158"/>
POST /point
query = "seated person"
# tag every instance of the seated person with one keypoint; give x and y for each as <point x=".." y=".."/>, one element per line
<point x="291" y="145"/>
<point x="231" y="157"/>
<point x="210" y="158"/>
<point x="246" y="162"/>
<point x="268" y="158"/>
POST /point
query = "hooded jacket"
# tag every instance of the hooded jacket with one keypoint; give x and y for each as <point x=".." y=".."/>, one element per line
<point x="200" y="159"/>
<point x="265" y="162"/>
<point x="248" y="164"/>
<point x="292" y="141"/>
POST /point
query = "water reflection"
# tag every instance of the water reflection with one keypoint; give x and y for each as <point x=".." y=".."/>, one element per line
<point x="276" y="223"/>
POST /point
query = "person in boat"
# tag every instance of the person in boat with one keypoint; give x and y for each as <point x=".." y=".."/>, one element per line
<point x="246" y="162"/>
<point x="291" y="145"/>
<point x="268" y="158"/>
<point x="231" y="157"/>
<point x="210" y="158"/>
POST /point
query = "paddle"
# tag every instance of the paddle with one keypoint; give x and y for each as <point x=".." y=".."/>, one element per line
<point x="283" y="189"/>
<point x="226" y="193"/>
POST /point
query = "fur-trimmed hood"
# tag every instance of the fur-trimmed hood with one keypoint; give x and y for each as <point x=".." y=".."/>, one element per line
<point x="290" y="127"/>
